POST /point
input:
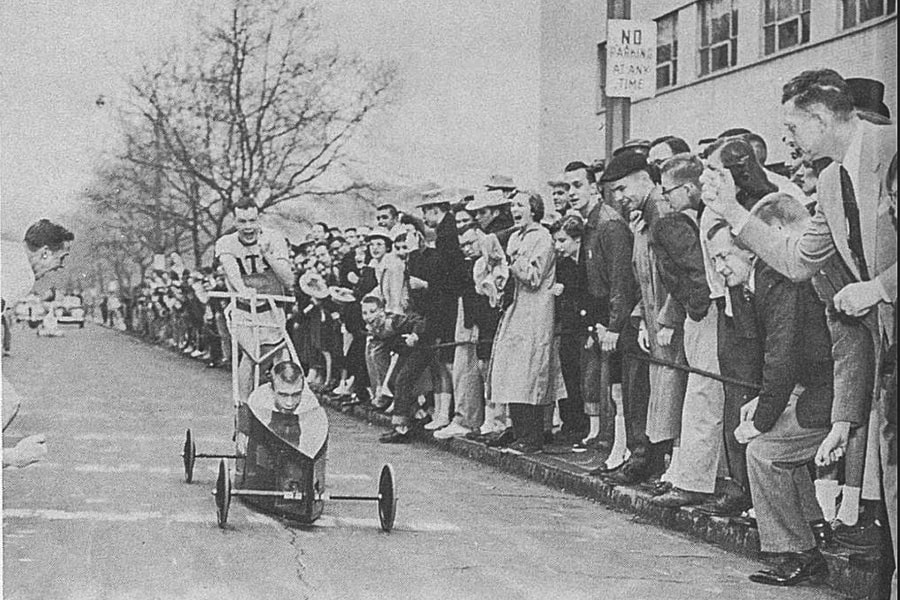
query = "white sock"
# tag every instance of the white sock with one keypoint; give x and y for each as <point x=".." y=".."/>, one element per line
<point x="594" y="427"/>
<point x="826" y="493"/>
<point x="848" y="513"/>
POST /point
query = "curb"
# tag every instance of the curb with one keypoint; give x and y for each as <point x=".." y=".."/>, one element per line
<point x="858" y="576"/>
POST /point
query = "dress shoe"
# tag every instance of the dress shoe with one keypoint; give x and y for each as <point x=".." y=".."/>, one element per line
<point x="796" y="568"/>
<point x="822" y="532"/>
<point x="678" y="497"/>
<point x="500" y="439"/>
<point x="604" y="469"/>
<point x="593" y="443"/>
<point x="525" y="448"/>
<point x="862" y="536"/>
<point x="726" y="505"/>
<point x="632" y="472"/>
<point x="660" y="488"/>
<point x="452" y="430"/>
<point x="395" y="437"/>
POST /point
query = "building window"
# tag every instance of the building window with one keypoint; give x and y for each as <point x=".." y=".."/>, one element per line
<point x="860" y="11"/>
<point x="786" y="24"/>
<point x="667" y="51"/>
<point x="718" y="35"/>
<point x="601" y="79"/>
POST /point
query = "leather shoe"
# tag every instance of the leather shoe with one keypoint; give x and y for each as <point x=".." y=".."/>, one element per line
<point x="796" y="568"/>
<point x="726" y="505"/>
<point x="395" y="437"/>
<point x="592" y="443"/>
<point x="678" y="497"/>
<point x="631" y="472"/>
<point x="862" y="536"/>
<point x="499" y="440"/>
<point x="525" y="448"/>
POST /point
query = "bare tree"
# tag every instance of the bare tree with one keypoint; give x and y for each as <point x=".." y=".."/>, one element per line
<point x="259" y="108"/>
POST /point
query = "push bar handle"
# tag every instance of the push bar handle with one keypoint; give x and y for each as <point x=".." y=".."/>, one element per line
<point x="236" y="296"/>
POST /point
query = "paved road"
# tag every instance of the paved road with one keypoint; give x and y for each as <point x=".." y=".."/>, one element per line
<point x="108" y="516"/>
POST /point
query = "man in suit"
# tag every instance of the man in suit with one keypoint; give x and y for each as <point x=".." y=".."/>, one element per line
<point x="851" y="220"/>
<point x="784" y="426"/>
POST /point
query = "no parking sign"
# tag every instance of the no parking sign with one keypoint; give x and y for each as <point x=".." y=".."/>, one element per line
<point x="631" y="59"/>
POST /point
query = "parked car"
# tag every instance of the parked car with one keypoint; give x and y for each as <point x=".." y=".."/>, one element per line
<point x="30" y="310"/>
<point x="70" y="310"/>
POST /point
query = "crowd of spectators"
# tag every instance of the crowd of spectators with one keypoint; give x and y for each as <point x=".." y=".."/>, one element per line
<point x="702" y="320"/>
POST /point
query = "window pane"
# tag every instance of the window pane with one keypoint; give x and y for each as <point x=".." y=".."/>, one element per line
<point x="770" y="11"/>
<point x="733" y="53"/>
<point x="720" y="57"/>
<point x="662" y="76"/>
<point x="721" y="29"/>
<point x="804" y="32"/>
<point x="770" y="39"/>
<point x="788" y="8"/>
<point x="849" y="13"/>
<point x="663" y="54"/>
<point x="788" y="34"/>
<point x="674" y="72"/>
<point x="674" y="49"/>
<point x="805" y="4"/>
<point x="892" y="6"/>
<point x="734" y="30"/>
<point x="869" y="9"/>
<point x="704" y="61"/>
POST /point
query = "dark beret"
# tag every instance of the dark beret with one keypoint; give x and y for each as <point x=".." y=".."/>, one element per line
<point x="623" y="164"/>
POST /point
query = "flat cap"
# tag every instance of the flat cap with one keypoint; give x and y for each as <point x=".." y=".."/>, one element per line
<point x="623" y="164"/>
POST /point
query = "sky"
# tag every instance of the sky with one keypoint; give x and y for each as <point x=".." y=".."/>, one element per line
<point x="467" y="104"/>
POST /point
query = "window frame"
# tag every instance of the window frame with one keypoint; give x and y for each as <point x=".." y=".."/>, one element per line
<point x="889" y="8"/>
<point x="672" y="63"/>
<point x="778" y="22"/>
<point x="705" y="61"/>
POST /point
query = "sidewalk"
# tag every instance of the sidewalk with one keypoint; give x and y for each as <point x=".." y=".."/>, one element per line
<point x="852" y="573"/>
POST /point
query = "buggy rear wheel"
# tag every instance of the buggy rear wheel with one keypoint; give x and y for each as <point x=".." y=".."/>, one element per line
<point x="223" y="494"/>
<point x="189" y="456"/>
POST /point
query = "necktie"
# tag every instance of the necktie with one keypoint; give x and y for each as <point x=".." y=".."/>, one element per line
<point x="851" y="211"/>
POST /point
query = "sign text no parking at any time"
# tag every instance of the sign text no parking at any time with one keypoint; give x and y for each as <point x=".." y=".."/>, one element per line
<point x="631" y="59"/>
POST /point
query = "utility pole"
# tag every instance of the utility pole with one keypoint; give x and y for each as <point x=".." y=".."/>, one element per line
<point x="618" y="110"/>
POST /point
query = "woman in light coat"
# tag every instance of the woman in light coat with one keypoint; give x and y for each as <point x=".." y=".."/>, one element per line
<point x="520" y="364"/>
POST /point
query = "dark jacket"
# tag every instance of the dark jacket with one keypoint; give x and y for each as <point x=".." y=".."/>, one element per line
<point x="569" y="304"/>
<point x="503" y="227"/>
<point x="675" y="239"/>
<point x="446" y="279"/>
<point x="790" y="318"/>
<point x="396" y="326"/>
<point x="477" y="310"/>
<point x="606" y="257"/>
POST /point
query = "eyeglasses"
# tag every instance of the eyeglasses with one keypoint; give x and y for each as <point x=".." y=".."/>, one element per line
<point x="666" y="192"/>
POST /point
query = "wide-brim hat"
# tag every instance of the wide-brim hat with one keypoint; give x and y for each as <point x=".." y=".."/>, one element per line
<point x="341" y="294"/>
<point x="500" y="182"/>
<point x="380" y="232"/>
<point x="489" y="199"/>
<point x="868" y="96"/>
<point x="287" y="378"/>
<point x="312" y="284"/>
<point x="435" y="197"/>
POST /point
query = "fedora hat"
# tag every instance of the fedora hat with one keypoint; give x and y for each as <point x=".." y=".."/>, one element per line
<point x="500" y="182"/>
<point x="341" y="294"/>
<point x="435" y="197"/>
<point x="868" y="96"/>
<point x="312" y="284"/>
<point x="287" y="378"/>
<point x="380" y="232"/>
<point x="490" y="199"/>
